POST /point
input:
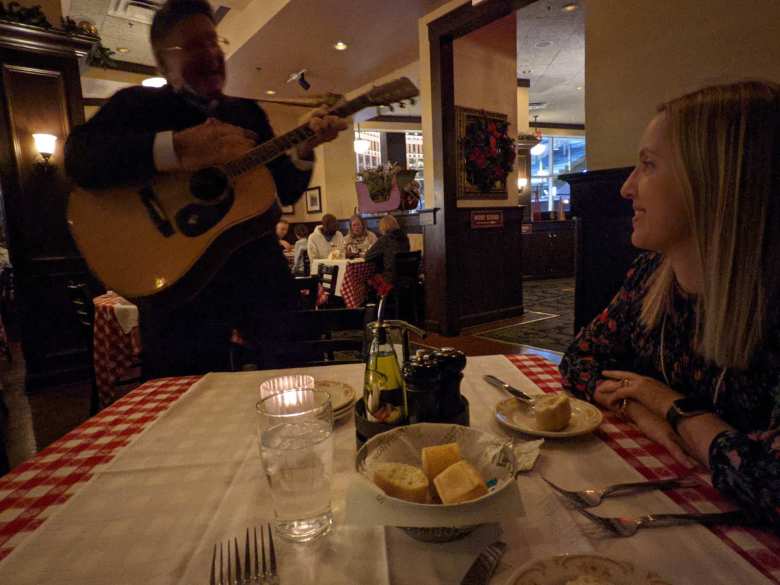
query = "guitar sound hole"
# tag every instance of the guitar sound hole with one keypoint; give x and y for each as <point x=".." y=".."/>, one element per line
<point x="208" y="184"/>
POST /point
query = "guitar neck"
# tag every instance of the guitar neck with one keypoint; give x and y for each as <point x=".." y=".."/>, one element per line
<point x="271" y="149"/>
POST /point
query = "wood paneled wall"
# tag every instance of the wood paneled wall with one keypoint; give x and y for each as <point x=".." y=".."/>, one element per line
<point x="40" y="91"/>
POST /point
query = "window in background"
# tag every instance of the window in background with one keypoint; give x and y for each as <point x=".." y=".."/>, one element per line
<point x="414" y="160"/>
<point x="561" y="155"/>
<point x="373" y="156"/>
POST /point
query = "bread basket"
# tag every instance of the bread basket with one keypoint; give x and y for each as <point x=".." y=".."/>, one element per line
<point x="491" y="455"/>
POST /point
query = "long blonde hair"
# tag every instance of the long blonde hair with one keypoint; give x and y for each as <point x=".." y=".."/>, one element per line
<point x="726" y="144"/>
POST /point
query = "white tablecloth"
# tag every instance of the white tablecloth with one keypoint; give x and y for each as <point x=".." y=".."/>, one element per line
<point x="193" y="478"/>
<point x="342" y="264"/>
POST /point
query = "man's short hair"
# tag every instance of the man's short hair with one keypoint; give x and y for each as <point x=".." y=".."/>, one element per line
<point x="282" y="220"/>
<point x="301" y="231"/>
<point x="327" y="218"/>
<point x="172" y="13"/>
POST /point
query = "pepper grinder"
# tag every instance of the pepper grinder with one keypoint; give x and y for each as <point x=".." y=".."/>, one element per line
<point x="452" y="363"/>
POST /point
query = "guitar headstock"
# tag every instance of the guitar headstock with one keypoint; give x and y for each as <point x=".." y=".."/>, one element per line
<point x="396" y="91"/>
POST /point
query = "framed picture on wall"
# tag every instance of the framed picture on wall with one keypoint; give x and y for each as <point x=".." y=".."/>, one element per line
<point x="313" y="197"/>
<point x="288" y="209"/>
<point x="486" y="154"/>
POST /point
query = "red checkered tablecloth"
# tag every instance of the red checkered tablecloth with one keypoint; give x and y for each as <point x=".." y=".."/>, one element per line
<point x="355" y="285"/>
<point x="760" y="548"/>
<point x="33" y="491"/>
<point x="114" y="351"/>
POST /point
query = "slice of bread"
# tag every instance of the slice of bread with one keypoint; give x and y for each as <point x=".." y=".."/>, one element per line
<point x="552" y="412"/>
<point x="438" y="458"/>
<point x="402" y="481"/>
<point x="460" y="482"/>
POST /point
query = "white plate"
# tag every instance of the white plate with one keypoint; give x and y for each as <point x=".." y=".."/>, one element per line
<point x="585" y="418"/>
<point x="563" y="569"/>
<point x="341" y="394"/>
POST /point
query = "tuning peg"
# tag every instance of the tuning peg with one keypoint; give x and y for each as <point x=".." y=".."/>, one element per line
<point x="412" y="101"/>
<point x="391" y="108"/>
<point x="401" y="104"/>
<point x="379" y="110"/>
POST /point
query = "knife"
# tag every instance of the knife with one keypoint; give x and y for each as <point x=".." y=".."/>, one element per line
<point x="516" y="392"/>
<point x="485" y="564"/>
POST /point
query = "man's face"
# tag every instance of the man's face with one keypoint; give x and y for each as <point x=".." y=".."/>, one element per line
<point x="191" y="55"/>
<point x="329" y="226"/>
<point x="281" y="229"/>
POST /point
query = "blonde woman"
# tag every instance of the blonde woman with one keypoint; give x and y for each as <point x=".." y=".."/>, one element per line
<point x="360" y="238"/>
<point x="689" y="348"/>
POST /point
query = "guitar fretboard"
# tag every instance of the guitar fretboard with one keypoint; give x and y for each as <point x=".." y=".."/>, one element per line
<point x="271" y="149"/>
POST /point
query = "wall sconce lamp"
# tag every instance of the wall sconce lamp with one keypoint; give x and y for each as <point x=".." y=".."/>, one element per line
<point x="45" y="145"/>
<point x="522" y="183"/>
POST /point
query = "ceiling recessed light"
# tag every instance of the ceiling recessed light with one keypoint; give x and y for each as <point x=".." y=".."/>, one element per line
<point x="122" y="50"/>
<point x="154" y="82"/>
<point x="569" y="7"/>
<point x="270" y="92"/>
<point x="579" y="88"/>
<point x="340" y="46"/>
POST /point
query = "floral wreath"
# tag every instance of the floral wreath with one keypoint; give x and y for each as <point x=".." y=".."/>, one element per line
<point x="489" y="152"/>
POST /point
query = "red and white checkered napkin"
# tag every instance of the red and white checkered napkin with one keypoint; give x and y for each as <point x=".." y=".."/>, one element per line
<point x="758" y="547"/>
<point x="355" y="285"/>
<point x="33" y="490"/>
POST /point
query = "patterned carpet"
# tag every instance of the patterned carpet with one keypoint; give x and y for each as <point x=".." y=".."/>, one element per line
<point x="548" y="322"/>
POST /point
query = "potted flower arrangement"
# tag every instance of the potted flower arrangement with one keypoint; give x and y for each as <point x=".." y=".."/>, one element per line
<point x="379" y="189"/>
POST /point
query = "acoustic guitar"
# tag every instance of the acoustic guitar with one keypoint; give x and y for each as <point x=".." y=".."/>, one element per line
<point x="167" y="237"/>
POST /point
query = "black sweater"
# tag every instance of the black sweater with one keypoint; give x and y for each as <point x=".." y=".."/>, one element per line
<point x="383" y="252"/>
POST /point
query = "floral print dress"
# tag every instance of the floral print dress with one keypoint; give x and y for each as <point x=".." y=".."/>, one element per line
<point x="745" y="463"/>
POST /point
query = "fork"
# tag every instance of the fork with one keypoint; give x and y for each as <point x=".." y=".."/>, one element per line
<point x="262" y="572"/>
<point x="629" y="526"/>
<point x="592" y="497"/>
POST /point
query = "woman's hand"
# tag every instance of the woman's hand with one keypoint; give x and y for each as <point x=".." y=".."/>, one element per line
<point x="657" y="429"/>
<point x="655" y="396"/>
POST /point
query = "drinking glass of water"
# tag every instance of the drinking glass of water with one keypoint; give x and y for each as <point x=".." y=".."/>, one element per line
<point x="296" y="447"/>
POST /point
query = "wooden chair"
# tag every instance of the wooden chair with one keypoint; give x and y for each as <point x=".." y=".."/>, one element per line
<point x="317" y="337"/>
<point x="327" y="275"/>
<point x="307" y="286"/>
<point x="405" y="301"/>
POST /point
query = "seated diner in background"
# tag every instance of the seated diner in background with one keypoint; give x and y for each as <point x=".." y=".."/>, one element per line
<point x="301" y="240"/>
<point x="359" y="239"/>
<point x="392" y="241"/>
<point x="282" y="227"/>
<point x="688" y="350"/>
<point x="325" y="238"/>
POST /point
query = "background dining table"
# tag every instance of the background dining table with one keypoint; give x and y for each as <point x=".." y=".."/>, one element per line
<point x="116" y="346"/>
<point x="351" y="280"/>
<point x="142" y="492"/>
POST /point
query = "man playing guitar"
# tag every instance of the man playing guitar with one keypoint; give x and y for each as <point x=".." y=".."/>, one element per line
<point x="188" y="125"/>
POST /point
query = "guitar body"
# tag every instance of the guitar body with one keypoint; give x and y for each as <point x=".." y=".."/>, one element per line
<point x="167" y="238"/>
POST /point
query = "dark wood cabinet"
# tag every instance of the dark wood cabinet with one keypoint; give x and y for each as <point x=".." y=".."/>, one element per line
<point x="604" y="250"/>
<point x="548" y="249"/>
